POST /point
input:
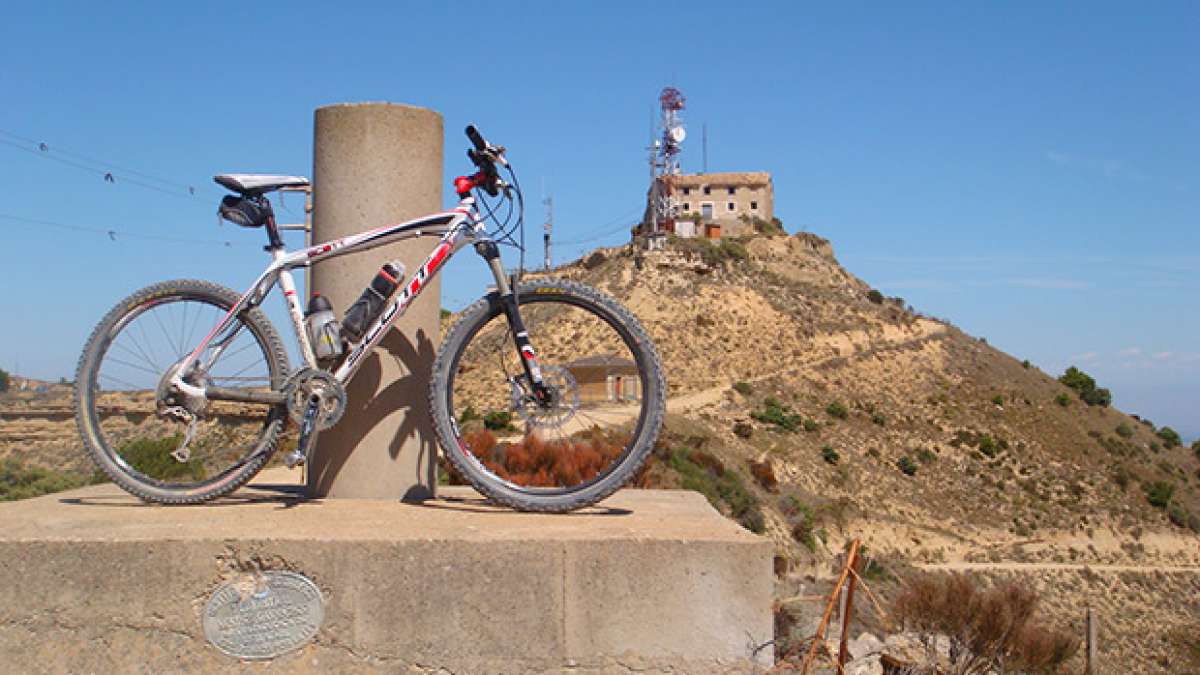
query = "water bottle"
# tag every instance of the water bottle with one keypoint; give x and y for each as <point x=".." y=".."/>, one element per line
<point x="370" y="303"/>
<point x="322" y="326"/>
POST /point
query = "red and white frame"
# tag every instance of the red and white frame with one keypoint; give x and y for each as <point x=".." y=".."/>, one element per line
<point x="455" y="227"/>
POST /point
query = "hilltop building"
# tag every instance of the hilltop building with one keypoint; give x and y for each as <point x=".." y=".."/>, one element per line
<point x="713" y="205"/>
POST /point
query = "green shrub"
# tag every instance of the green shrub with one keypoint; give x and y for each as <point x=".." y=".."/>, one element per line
<point x="1196" y="448"/>
<point x="873" y="453"/>
<point x="1180" y="517"/>
<point x="925" y="455"/>
<point x="1026" y="364"/>
<point x="445" y="313"/>
<point x="1121" y="477"/>
<point x="724" y="489"/>
<point x="1169" y="437"/>
<point x="1085" y="387"/>
<point x="802" y="519"/>
<point x="830" y="455"/>
<point x="879" y="419"/>
<point x="4" y="380"/>
<point x="907" y="465"/>
<point x="838" y="410"/>
<point x="743" y="388"/>
<point x="988" y="446"/>
<point x="152" y="457"/>
<point x="774" y="412"/>
<point x="998" y="400"/>
<point x="498" y="420"/>
<point x="1158" y="493"/>
<point x="813" y="425"/>
<point x="1124" y="430"/>
<point x="875" y="296"/>
<point x="1063" y="400"/>
<point x="18" y="481"/>
<point x="468" y="415"/>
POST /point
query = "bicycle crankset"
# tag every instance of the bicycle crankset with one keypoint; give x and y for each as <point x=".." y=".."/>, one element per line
<point x="308" y="383"/>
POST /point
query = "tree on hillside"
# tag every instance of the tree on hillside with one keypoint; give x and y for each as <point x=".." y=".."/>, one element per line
<point x="3" y="380"/>
<point x="1085" y="386"/>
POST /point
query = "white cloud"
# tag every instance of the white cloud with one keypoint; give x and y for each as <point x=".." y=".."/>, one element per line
<point x="1130" y="351"/>
<point x="1162" y="356"/>
<point x="1049" y="284"/>
<point x="1086" y="356"/>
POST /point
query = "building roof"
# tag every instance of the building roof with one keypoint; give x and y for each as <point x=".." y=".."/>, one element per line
<point x="735" y="178"/>
<point x="601" y="360"/>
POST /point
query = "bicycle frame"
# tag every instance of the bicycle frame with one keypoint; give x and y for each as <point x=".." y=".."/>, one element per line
<point x="456" y="227"/>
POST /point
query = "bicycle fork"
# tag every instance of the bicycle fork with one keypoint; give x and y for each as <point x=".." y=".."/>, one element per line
<point x="508" y="302"/>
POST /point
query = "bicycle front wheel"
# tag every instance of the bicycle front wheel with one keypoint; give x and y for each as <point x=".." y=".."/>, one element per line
<point x="130" y="422"/>
<point x="581" y="443"/>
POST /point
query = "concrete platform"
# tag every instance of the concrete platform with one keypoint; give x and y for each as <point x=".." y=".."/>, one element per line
<point x="93" y="580"/>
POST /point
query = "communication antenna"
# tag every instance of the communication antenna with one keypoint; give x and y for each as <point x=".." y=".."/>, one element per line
<point x="548" y="227"/>
<point x="664" y="162"/>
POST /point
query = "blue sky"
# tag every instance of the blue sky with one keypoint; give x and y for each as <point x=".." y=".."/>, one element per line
<point x="1025" y="170"/>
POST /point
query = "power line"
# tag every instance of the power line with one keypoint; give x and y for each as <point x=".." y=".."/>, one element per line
<point x="108" y="171"/>
<point x="606" y="232"/>
<point x="114" y="234"/>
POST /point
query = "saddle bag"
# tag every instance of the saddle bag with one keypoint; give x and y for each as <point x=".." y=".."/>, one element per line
<point x="243" y="211"/>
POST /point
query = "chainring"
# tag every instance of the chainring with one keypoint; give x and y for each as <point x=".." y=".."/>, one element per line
<point x="300" y="387"/>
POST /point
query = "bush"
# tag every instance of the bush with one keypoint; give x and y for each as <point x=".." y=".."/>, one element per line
<point x="907" y="465"/>
<point x="468" y="415"/>
<point x="998" y="400"/>
<point x="1085" y="386"/>
<point x="20" y="482"/>
<point x="1180" y="517"/>
<point x="1158" y="493"/>
<point x="879" y="419"/>
<point x="838" y="410"/>
<point x="990" y="629"/>
<point x="1196" y="448"/>
<point x="987" y="445"/>
<point x="1169" y="437"/>
<point x="925" y="455"/>
<point x="774" y="412"/>
<point x="498" y="420"/>
<point x="830" y="455"/>
<point x="802" y="520"/>
<point x="1063" y="400"/>
<point x="743" y="388"/>
<point x="1124" y="430"/>
<point x="875" y="296"/>
<point x="812" y="425"/>
<point x="705" y="474"/>
<point x="1026" y="364"/>
<point x="4" y="379"/>
<point x="152" y="457"/>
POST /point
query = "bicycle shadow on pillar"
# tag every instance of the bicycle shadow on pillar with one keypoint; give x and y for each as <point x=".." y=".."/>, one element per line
<point x="370" y="406"/>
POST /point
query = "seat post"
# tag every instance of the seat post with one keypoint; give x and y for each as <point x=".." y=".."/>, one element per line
<point x="275" y="242"/>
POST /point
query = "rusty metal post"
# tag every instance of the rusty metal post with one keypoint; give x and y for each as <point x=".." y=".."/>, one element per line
<point x="848" y="607"/>
<point x="837" y="588"/>
<point x="1092" y="642"/>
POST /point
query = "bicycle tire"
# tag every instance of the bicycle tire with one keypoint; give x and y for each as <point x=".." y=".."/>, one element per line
<point x="87" y="416"/>
<point x="448" y="431"/>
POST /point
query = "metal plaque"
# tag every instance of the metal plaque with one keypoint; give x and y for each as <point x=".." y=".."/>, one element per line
<point x="263" y="616"/>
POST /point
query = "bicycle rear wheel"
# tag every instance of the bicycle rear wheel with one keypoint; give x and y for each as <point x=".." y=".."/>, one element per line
<point x="603" y="415"/>
<point x="129" y="421"/>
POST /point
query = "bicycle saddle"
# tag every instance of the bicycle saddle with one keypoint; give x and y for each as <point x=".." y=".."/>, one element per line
<point x="257" y="184"/>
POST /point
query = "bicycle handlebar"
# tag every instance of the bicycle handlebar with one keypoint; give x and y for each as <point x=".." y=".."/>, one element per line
<point x="485" y="156"/>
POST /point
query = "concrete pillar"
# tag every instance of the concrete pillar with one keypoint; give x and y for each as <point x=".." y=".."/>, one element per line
<point x="375" y="164"/>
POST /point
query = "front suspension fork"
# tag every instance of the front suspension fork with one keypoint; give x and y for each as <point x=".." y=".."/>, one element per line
<point x="512" y="311"/>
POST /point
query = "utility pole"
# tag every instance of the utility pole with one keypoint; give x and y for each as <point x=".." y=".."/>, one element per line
<point x="704" y="143"/>
<point x="548" y="227"/>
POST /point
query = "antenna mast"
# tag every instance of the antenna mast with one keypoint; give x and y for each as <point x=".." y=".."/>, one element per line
<point x="548" y="227"/>
<point x="664" y="163"/>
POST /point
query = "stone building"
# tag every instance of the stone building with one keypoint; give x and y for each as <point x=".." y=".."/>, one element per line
<point x="723" y="200"/>
<point x="606" y="377"/>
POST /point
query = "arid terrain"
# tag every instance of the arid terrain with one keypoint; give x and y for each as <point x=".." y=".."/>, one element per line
<point x="842" y="414"/>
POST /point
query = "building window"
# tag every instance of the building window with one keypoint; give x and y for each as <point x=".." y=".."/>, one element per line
<point x="707" y="190"/>
<point x="687" y="191"/>
<point x="731" y="206"/>
<point x="706" y="210"/>
<point x="687" y="206"/>
<point x="753" y="206"/>
<point x="731" y="190"/>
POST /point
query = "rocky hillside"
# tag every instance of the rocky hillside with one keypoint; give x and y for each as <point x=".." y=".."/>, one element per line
<point x="848" y="415"/>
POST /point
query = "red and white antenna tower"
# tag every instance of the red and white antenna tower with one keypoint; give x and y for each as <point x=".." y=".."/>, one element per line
<point x="664" y="163"/>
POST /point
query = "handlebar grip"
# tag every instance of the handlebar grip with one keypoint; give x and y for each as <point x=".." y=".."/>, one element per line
<point x="476" y="139"/>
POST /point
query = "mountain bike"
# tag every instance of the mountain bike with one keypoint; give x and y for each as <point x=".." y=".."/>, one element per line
<point x="546" y="394"/>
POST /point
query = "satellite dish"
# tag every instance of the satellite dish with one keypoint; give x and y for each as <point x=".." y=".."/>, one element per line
<point x="678" y="134"/>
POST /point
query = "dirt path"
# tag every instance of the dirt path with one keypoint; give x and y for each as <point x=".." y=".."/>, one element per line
<point x="1030" y="567"/>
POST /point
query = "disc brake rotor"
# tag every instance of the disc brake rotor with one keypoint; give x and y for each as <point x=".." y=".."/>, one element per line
<point x="560" y="409"/>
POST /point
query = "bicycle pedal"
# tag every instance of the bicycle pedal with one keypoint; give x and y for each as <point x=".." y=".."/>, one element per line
<point x="308" y="434"/>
